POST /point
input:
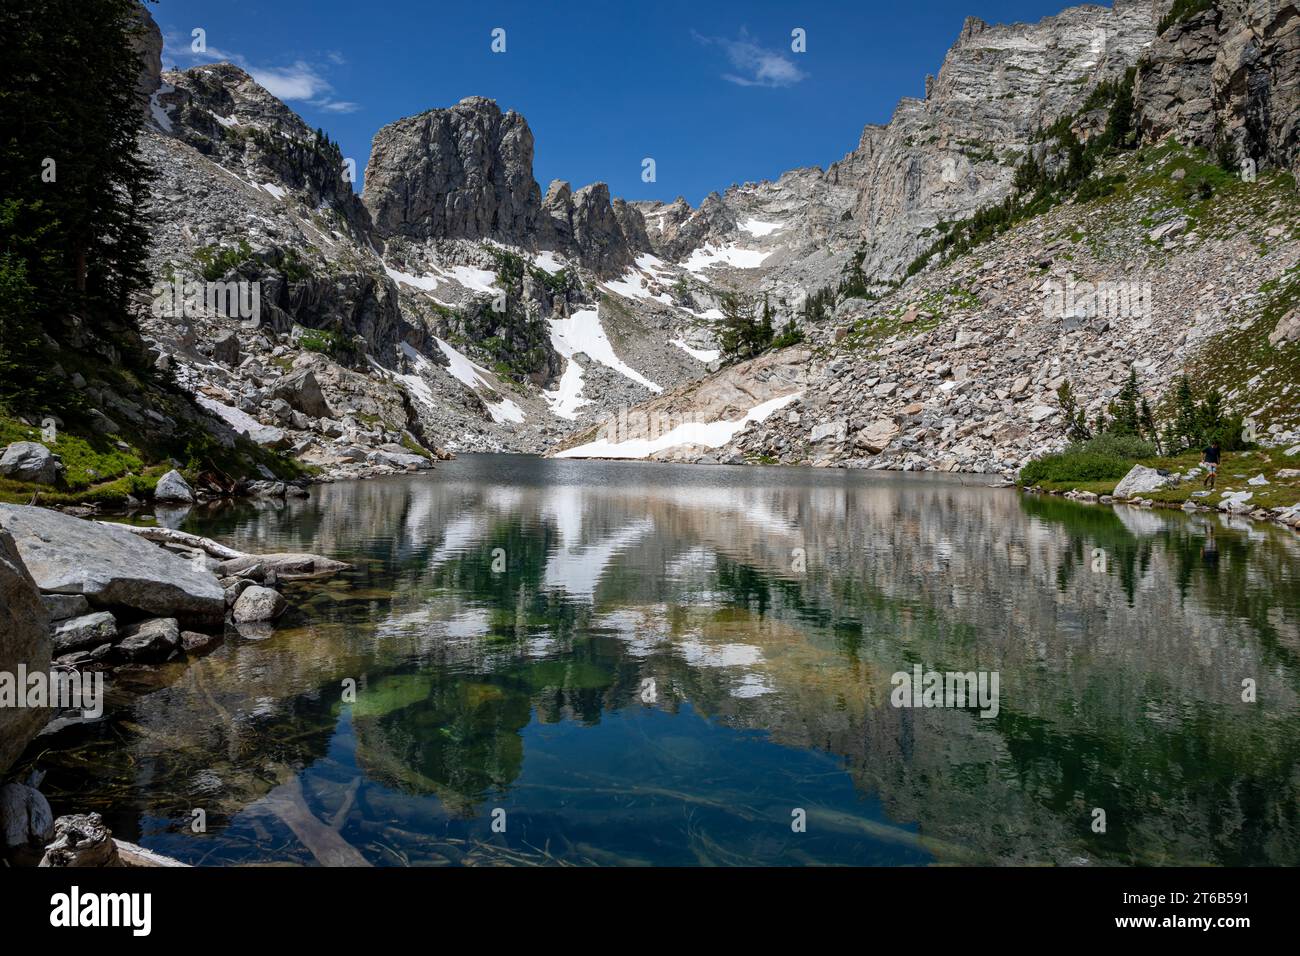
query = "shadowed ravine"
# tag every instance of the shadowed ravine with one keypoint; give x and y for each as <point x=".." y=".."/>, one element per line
<point x="652" y="679"/>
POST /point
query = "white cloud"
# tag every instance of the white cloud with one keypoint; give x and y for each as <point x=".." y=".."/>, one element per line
<point x="300" y="82"/>
<point x="297" y="82"/>
<point x="752" y="64"/>
<point x="338" y="106"/>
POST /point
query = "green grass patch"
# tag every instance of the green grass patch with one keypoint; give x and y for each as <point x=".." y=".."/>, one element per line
<point x="1235" y="470"/>
<point x="215" y="261"/>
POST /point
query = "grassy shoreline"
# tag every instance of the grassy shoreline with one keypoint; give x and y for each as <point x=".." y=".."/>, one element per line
<point x="1235" y="470"/>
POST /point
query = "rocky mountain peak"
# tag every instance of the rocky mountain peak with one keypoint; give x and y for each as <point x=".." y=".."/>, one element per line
<point x="971" y="27"/>
<point x="465" y="172"/>
<point x="221" y="111"/>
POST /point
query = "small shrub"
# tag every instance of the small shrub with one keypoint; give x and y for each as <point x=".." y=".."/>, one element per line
<point x="215" y="261"/>
<point x="1075" y="466"/>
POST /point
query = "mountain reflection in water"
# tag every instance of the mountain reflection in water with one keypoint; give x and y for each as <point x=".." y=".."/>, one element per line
<point x="658" y="664"/>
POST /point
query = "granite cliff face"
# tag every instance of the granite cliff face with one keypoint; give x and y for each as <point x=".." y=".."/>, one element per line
<point x="460" y="173"/>
<point x="147" y="44"/>
<point x="938" y="159"/>
<point x="957" y="367"/>
<point x="943" y="157"/>
<point x="601" y="233"/>
<point x="466" y="172"/>
<point x="1227" y="78"/>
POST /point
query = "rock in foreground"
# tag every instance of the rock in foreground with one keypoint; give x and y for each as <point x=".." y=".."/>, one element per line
<point x="258" y="604"/>
<point x="110" y="566"/>
<point x="24" y="639"/>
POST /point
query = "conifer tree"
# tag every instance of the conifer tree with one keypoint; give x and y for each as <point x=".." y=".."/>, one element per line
<point x="72" y="241"/>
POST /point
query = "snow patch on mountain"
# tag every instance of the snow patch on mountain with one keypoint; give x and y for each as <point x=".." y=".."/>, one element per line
<point x="709" y="255"/>
<point x="463" y="369"/>
<point x="703" y="355"/>
<point x="632" y="285"/>
<point x="160" y="113"/>
<point x="582" y="332"/>
<point x="705" y="434"/>
<point x="548" y="262"/>
<point x="423" y="283"/>
<point x="757" y="227"/>
<point x="567" y="398"/>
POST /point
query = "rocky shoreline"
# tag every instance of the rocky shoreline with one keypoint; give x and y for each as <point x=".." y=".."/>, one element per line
<point x="1135" y="487"/>
<point x="79" y="597"/>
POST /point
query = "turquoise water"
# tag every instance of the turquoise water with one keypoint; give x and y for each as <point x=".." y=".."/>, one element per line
<point x="653" y="664"/>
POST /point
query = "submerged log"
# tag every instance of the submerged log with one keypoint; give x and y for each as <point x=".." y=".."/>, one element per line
<point x="323" y="841"/>
<point x="349" y="798"/>
<point x="286" y="566"/>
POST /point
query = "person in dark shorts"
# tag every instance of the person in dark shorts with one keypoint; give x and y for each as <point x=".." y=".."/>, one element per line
<point x="1210" y="460"/>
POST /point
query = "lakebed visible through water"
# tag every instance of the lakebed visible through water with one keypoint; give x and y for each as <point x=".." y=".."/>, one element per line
<point x="538" y="661"/>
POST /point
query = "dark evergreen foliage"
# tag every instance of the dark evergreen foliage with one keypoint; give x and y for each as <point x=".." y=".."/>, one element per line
<point x="72" y="242"/>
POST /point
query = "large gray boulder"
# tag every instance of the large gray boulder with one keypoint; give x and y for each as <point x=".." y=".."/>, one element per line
<point x="24" y="639"/>
<point x="301" y="391"/>
<point x="1141" y="480"/>
<point x="225" y="348"/>
<point x="111" y="566"/>
<point x="173" y="487"/>
<point x="30" y="461"/>
<point x="1286" y="331"/>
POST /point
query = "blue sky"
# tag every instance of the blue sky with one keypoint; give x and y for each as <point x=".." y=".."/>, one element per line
<point x="712" y="91"/>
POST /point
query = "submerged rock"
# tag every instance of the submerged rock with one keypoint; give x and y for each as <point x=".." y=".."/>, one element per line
<point x="284" y="565"/>
<point x="256" y="604"/>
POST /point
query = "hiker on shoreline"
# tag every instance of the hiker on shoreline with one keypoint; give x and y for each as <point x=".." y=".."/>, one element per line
<point x="1210" y="460"/>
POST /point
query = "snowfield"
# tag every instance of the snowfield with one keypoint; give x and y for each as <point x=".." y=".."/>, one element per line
<point x="476" y="377"/>
<point x="757" y="227"/>
<point x="582" y="332"/>
<point x="567" y="397"/>
<point x="709" y="255"/>
<point x="548" y="262"/>
<point x="705" y="434"/>
<point x="632" y="285"/>
<point x="477" y="280"/>
<point x="702" y="355"/>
